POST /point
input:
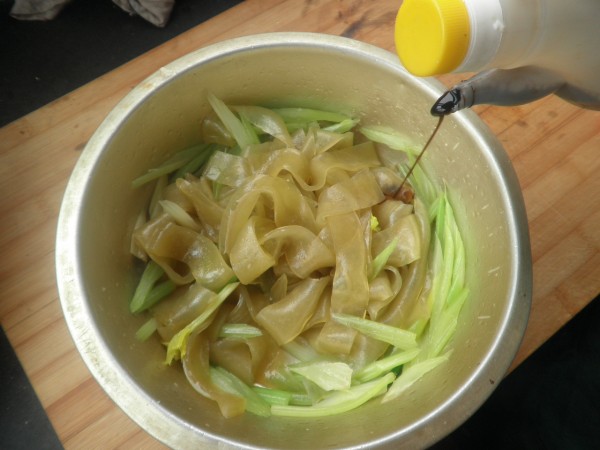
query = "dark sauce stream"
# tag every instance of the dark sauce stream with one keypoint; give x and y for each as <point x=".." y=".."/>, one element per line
<point x="412" y="167"/>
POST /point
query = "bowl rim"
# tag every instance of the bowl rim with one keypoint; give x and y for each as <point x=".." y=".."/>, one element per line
<point x="153" y="417"/>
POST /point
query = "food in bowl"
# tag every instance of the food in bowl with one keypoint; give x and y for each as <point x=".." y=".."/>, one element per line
<point x="96" y="277"/>
<point x="291" y="268"/>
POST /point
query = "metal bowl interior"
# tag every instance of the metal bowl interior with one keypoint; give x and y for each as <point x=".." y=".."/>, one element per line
<point x="162" y="115"/>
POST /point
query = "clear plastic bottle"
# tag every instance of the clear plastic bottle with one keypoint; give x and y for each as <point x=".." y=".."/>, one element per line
<point x="523" y="49"/>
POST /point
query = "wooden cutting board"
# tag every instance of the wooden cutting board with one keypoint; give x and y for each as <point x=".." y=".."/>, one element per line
<point x="555" y="148"/>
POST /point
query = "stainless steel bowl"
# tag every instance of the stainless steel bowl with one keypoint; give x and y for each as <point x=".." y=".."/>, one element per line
<point x="162" y="115"/>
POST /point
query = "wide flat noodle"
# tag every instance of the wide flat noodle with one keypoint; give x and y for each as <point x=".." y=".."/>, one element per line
<point x="196" y="367"/>
<point x="359" y="192"/>
<point x="350" y="290"/>
<point x="248" y="258"/>
<point x="407" y="231"/>
<point x="286" y="319"/>
<point x="287" y="203"/>
<point x="382" y="290"/>
<point x="273" y="162"/>
<point x="183" y="253"/>
<point x="350" y="160"/>
<point x="175" y="312"/>
<point x="396" y="313"/>
<point x="207" y="209"/>
<point x="167" y="244"/>
<point x="207" y="264"/>
<point x="267" y="121"/>
<point x="304" y="251"/>
<point x="227" y="169"/>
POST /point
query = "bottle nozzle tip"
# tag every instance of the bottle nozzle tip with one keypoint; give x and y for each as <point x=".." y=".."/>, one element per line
<point x="447" y="103"/>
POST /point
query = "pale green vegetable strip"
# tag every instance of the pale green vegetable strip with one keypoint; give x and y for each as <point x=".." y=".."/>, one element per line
<point x="266" y="121"/>
<point x="418" y="326"/>
<point x="412" y="374"/>
<point x="342" y="127"/>
<point x="239" y="331"/>
<point x="176" y="161"/>
<point x="243" y="135"/>
<point x="157" y="293"/>
<point x="450" y="290"/>
<point x="273" y="396"/>
<point x="250" y="130"/>
<point x="327" y="375"/>
<point x="381" y="260"/>
<point x="338" y="401"/>
<point x="385" y="364"/>
<point x="217" y="188"/>
<point x="295" y="126"/>
<point x="390" y="137"/>
<point x="204" y="152"/>
<point x="179" y="215"/>
<point x="304" y="353"/>
<point x="154" y="207"/>
<point x="178" y="343"/>
<point x="459" y="268"/>
<point x="445" y="276"/>
<point x="230" y="383"/>
<point x="152" y="273"/>
<point x="397" y="337"/>
<point x="300" y="399"/>
<point x="446" y="325"/>
<point x="308" y="115"/>
<point x="146" y="330"/>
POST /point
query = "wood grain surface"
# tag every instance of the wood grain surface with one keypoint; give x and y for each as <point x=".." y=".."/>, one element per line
<point x="554" y="146"/>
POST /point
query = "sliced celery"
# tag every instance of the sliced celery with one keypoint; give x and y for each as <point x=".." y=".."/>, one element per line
<point x="301" y="350"/>
<point x="179" y="215"/>
<point x="412" y="374"/>
<point x="154" y="208"/>
<point x="204" y="152"/>
<point x="381" y="260"/>
<point x="300" y="399"/>
<point x="146" y="330"/>
<point x="390" y="137"/>
<point x="230" y="383"/>
<point x="152" y="273"/>
<point x="342" y="127"/>
<point x="385" y="364"/>
<point x="338" y="401"/>
<point x="239" y="331"/>
<point x="175" y="162"/>
<point x="397" y="337"/>
<point x="448" y="289"/>
<point x="157" y="293"/>
<point x="243" y="134"/>
<point x="327" y="375"/>
<point x="446" y="325"/>
<point x="266" y="121"/>
<point x="308" y="115"/>
<point x="273" y="396"/>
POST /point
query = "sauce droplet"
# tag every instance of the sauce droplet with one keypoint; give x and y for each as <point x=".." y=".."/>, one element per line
<point x="447" y="103"/>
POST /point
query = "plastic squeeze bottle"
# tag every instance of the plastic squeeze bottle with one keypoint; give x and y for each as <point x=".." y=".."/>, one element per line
<point x="522" y="49"/>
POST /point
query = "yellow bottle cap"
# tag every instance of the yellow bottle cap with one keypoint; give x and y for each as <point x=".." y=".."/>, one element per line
<point x="432" y="36"/>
